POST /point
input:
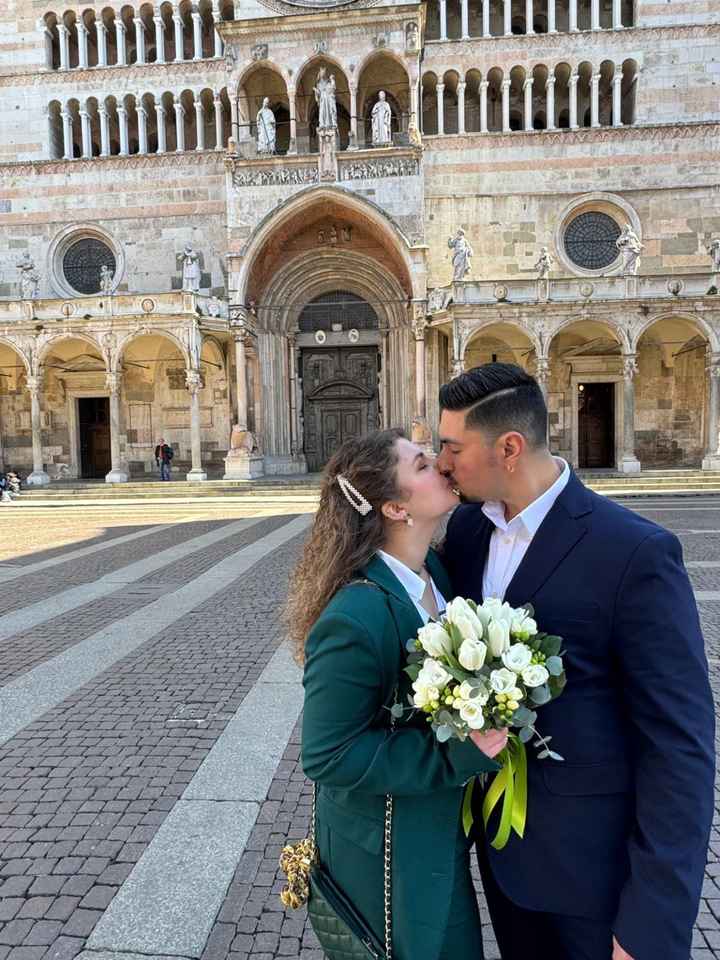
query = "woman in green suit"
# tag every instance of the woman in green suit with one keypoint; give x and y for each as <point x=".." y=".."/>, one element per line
<point x="366" y="582"/>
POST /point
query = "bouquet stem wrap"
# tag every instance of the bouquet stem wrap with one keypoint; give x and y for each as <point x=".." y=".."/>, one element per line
<point x="510" y="786"/>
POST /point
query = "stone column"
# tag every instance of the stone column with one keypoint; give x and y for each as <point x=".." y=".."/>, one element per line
<point x="67" y="133"/>
<point x="104" y="132"/>
<point x="159" y="39"/>
<point x="506" y="106"/>
<point x="292" y="146"/>
<point x="82" y="35"/>
<point x="162" y="139"/>
<point x="414" y="97"/>
<point x="120" y="37"/>
<point x="507" y="17"/>
<point x="486" y="17"/>
<point x="440" y="92"/>
<point x="420" y="386"/>
<point x="179" y="126"/>
<point x="595" y="100"/>
<point x="219" y="131"/>
<point x="234" y="120"/>
<point x="542" y="374"/>
<point x="443" y="19"/>
<point x="617" y="97"/>
<point x="139" y="40"/>
<point x="86" y="135"/>
<point x="216" y="20"/>
<point x="527" y="90"/>
<point x="241" y="379"/>
<point x="117" y="474"/>
<point x="711" y="460"/>
<point x="179" y="42"/>
<point x="200" y="124"/>
<point x="617" y="15"/>
<point x="197" y="35"/>
<point x="552" y="26"/>
<point x="550" y="103"/>
<point x="353" y="139"/>
<point x="572" y="16"/>
<point x="461" y="105"/>
<point x="483" y="106"/>
<point x="194" y="382"/>
<point x="101" y="31"/>
<point x="629" y="463"/>
<point x="38" y="477"/>
<point x="465" y="19"/>
<point x="594" y="14"/>
<point x="64" y="46"/>
<point x="49" y="38"/>
<point x="142" y="128"/>
<point x="529" y="17"/>
<point x="573" y="100"/>
<point x="123" y="124"/>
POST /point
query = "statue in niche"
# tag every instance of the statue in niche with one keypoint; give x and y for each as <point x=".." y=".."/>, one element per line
<point x="29" y="278"/>
<point x="628" y="243"/>
<point x="412" y="36"/>
<point x="713" y="248"/>
<point x="107" y="278"/>
<point x="265" y="128"/>
<point x="462" y="254"/>
<point x="190" y="269"/>
<point x="325" y="95"/>
<point x="544" y="264"/>
<point x="381" y="121"/>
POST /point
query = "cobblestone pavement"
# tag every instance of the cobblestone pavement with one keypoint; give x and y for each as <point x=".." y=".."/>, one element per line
<point x="86" y="788"/>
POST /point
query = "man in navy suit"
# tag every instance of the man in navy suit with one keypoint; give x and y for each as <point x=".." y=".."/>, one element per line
<point x="611" y="865"/>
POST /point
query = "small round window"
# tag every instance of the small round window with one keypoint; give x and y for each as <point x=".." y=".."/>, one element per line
<point x="590" y="240"/>
<point x="82" y="262"/>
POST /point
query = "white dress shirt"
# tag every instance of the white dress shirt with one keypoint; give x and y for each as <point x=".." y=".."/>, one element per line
<point x="414" y="584"/>
<point x="509" y="541"/>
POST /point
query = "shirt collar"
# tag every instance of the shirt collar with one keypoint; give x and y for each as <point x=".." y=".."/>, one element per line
<point x="534" y="514"/>
<point x="414" y="584"/>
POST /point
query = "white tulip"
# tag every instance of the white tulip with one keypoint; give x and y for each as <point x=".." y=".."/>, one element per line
<point x="471" y="713"/>
<point x="498" y="637"/>
<point x="459" y="608"/>
<point x="497" y="610"/>
<point x="435" y="639"/>
<point x="517" y="657"/>
<point x="503" y="680"/>
<point x="472" y="654"/>
<point x="523" y="625"/>
<point x="535" y="675"/>
<point x="467" y="627"/>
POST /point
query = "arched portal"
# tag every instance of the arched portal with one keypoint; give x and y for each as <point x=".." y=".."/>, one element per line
<point x="330" y="280"/>
<point x="14" y="411"/>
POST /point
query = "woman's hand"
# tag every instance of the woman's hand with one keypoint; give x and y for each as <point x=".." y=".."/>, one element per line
<point x="490" y="743"/>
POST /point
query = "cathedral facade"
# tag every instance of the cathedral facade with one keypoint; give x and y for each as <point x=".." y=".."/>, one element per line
<point x="264" y="226"/>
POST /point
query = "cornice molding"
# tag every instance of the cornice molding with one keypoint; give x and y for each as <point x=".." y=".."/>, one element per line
<point x="190" y="158"/>
<point x="122" y="76"/>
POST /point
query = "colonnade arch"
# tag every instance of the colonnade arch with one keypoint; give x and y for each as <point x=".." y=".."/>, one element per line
<point x="461" y="19"/>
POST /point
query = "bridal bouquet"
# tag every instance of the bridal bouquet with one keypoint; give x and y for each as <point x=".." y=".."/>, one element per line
<point x="482" y="667"/>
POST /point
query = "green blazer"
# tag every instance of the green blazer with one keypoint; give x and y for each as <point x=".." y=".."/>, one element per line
<point x="355" y="655"/>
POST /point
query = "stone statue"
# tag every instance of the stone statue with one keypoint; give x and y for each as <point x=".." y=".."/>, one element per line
<point x="325" y="95"/>
<point x="29" y="278"/>
<point x="381" y="121"/>
<point x="421" y="433"/>
<point x="242" y="442"/>
<point x="243" y="461"/>
<point x="190" y="269"/>
<point x="628" y="243"/>
<point x="462" y="254"/>
<point x="265" y="128"/>
<point x="438" y="299"/>
<point x="414" y="135"/>
<point x="107" y="278"/>
<point x="412" y="35"/>
<point x="713" y="248"/>
<point x="544" y="264"/>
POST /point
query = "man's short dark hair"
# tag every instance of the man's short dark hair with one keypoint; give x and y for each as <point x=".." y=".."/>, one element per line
<point x="499" y="398"/>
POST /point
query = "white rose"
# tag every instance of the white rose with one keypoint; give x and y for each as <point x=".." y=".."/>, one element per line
<point x="503" y="680"/>
<point x="522" y="624"/>
<point x="435" y="640"/>
<point x="535" y="675"/>
<point x="517" y="657"/>
<point x="433" y="674"/>
<point x="460" y="610"/>
<point x="472" y="654"/>
<point x="498" y="637"/>
<point x="471" y="713"/>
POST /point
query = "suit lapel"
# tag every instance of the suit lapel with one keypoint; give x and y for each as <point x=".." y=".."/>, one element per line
<point x="439" y="574"/>
<point x="557" y="535"/>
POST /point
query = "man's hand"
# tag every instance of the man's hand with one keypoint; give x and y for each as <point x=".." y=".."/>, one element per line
<point x="618" y="952"/>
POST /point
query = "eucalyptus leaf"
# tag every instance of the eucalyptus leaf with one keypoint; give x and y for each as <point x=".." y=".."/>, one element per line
<point x="555" y="756"/>
<point x="543" y="754"/>
<point x="397" y="710"/>
<point x="413" y="671"/>
<point x="554" y="666"/>
<point x="551" y="646"/>
<point x="525" y="735"/>
<point x="530" y="609"/>
<point x="410" y="645"/>
<point x="540" y="695"/>
<point x="443" y="733"/>
<point x="445" y="717"/>
<point x="522" y="717"/>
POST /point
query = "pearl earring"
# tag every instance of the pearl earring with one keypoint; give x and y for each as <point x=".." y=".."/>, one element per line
<point x="409" y="521"/>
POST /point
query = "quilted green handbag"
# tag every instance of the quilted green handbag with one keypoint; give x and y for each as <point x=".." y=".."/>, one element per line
<point x="342" y="932"/>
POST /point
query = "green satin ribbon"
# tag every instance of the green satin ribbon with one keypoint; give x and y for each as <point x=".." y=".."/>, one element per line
<point x="510" y="784"/>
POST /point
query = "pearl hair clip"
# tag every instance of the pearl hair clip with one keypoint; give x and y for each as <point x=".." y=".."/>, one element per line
<point x="353" y="496"/>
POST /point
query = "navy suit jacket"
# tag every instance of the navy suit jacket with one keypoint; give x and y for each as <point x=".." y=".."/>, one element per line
<point x="619" y="831"/>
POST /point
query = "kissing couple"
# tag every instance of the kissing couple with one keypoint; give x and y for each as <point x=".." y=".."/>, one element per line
<point x="611" y="863"/>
